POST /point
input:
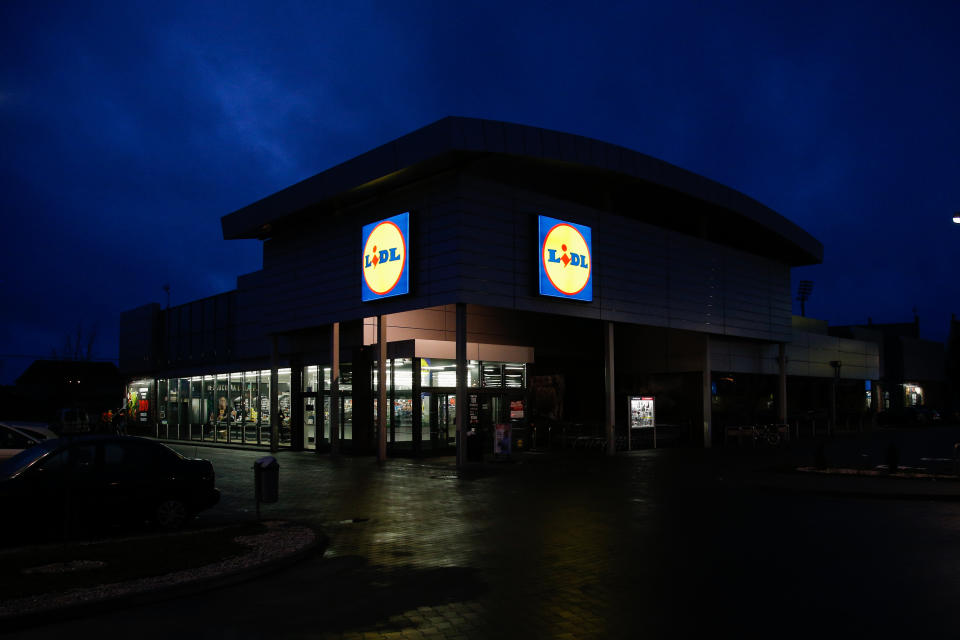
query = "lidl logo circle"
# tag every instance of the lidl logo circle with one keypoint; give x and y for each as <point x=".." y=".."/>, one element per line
<point x="565" y="260"/>
<point x="385" y="258"/>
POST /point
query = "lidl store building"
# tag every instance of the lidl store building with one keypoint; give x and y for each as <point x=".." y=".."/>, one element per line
<point x="514" y="285"/>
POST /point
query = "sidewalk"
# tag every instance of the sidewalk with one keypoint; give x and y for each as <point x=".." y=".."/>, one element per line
<point x="854" y="465"/>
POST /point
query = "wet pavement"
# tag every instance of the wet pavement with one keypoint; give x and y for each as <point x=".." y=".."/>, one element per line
<point x="667" y="543"/>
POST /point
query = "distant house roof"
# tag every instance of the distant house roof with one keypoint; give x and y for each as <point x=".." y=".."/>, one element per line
<point x="562" y="164"/>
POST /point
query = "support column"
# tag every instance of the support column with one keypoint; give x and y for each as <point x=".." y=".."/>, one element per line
<point x="461" y="382"/>
<point x="297" y="427"/>
<point x="381" y="388"/>
<point x="707" y="396"/>
<point x="610" y="408"/>
<point x="274" y="394"/>
<point x="335" y="388"/>
<point x="417" y="408"/>
<point x="782" y="394"/>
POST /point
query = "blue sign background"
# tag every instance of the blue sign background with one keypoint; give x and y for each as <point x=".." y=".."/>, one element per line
<point x="402" y="221"/>
<point x="546" y="287"/>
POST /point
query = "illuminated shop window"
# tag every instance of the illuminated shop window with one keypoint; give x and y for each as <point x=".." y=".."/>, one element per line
<point x="196" y="411"/>
<point x="284" y="402"/>
<point x="912" y="395"/>
<point x="401" y="397"/>
<point x="514" y="375"/>
<point x="249" y="410"/>
<point x="437" y="372"/>
<point x="263" y="406"/>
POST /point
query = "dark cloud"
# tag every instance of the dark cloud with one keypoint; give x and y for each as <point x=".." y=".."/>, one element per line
<point x="128" y="129"/>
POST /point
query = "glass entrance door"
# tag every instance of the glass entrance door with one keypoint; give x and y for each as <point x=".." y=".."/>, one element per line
<point x="442" y="417"/>
<point x="310" y="422"/>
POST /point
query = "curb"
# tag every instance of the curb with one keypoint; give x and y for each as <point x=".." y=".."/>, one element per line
<point x="852" y="486"/>
<point x="41" y="617"/>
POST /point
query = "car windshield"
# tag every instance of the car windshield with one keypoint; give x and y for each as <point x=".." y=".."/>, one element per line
<point x="27" y="457"/>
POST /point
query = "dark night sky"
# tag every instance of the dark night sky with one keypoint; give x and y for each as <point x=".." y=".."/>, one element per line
<point x="127" y="129"/>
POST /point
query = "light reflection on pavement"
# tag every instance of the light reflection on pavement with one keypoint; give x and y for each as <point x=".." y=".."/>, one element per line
<point x="649" y="544"/>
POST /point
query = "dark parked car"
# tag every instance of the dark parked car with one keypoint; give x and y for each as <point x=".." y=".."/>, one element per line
<point x="83" y="483"/>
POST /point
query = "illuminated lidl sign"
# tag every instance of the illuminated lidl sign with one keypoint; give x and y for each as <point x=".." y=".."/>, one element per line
<point x="566" y="264"/>
<point x="386" y="264"/>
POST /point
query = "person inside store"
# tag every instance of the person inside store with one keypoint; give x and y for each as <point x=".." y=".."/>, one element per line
<point x="223" y="413"/>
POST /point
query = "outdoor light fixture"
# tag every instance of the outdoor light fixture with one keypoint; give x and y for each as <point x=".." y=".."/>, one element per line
<point x="956" y="218"/>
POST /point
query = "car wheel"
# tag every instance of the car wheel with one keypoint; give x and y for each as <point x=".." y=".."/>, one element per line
<point x="171" y="514"/>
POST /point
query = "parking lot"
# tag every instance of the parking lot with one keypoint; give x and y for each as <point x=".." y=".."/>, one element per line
<point x="660" y="543"/>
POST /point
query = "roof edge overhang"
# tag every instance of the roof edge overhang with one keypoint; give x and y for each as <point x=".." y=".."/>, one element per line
<point x="456" y="141"/>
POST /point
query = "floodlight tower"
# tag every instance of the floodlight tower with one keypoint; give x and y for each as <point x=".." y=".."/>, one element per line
<point x="804" y="290"/>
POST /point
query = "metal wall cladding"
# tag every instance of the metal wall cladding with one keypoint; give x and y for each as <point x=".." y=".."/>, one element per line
<point x="474" y="241"/>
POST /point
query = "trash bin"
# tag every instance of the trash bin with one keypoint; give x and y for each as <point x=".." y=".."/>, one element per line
<point x="266" y="479"/>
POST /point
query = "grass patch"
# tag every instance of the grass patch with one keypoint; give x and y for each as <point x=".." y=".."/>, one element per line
<point x="28" y="571"/>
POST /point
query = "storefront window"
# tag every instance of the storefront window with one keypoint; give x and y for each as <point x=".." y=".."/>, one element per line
<point x="235" y="407"/>
<point x="492" y="374"/>
<point x="310" y="379"/>
<point x="141" y="418"/>
<point x="183" y="410"/>
<point x="401" y="418"/>
<point x="437" y="372"/>
<point x="162" y="409"/>
<point x="346" y="417"/>
<point x="173" y="409"/>
<point x="248" y="411"/>
<point x="425" y="417"/>
<point x="284" y="403"/>
<point x="196" y="410"/>
<point x="912" y="395"/>
<point x="209" y="406"/>
<point x="346" y="401"/>
<point x="235" y="404"/>
<point x="263" y="406"/>
<point x="514" y="375"/>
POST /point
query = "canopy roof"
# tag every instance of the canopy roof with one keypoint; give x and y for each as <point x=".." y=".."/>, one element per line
<point x="587" y="171"/>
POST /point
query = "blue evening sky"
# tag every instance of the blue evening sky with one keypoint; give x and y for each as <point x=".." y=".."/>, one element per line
<point x="127" y="129"/>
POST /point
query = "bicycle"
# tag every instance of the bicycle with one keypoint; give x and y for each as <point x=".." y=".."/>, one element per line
<point x="766" y="434"/>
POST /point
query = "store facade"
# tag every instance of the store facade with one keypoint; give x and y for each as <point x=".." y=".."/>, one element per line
<point x="492" y="275"/>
